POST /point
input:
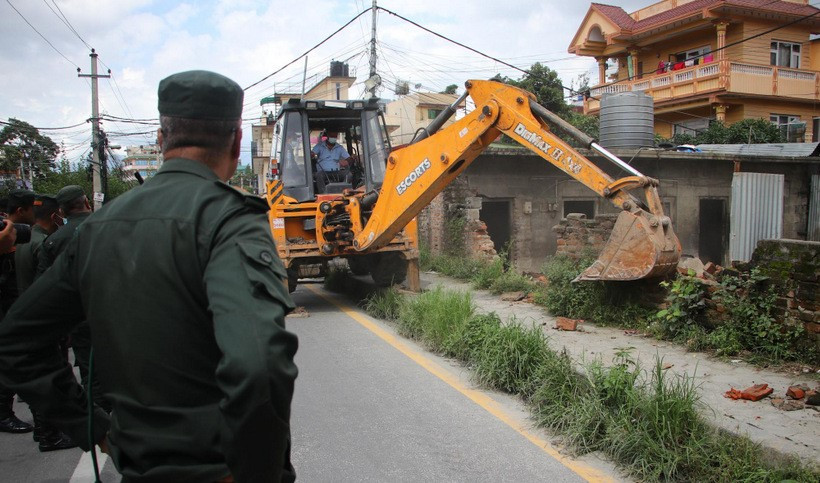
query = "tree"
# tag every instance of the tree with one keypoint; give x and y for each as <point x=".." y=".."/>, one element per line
<point x="746" y="131"/>
<point x="20" y="141"/>
<point x="545" y="84"/>
<point x="451" y="89"/>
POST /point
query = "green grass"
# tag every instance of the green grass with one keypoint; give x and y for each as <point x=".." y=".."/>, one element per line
<point x="646" y="421"/>
<point x="384" y="304"/>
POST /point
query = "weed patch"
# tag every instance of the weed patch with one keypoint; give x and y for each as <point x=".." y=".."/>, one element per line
<point x="645" y="421"/>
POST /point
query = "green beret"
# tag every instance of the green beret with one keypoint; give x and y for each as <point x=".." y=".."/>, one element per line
<point x="44" y="199"/>
<point x="22" y="196"/>
<point x="69" y="193"/>
<point x="199" y="94"/>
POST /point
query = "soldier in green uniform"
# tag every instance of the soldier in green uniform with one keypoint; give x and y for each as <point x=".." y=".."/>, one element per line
<point x="46" y="221"/>
<point x="185" y="296"/>
<point x="76" y="209"/>
<point x="20" y="208"/>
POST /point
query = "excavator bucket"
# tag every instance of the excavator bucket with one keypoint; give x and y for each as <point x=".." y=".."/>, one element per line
<point x="636" y="250"/>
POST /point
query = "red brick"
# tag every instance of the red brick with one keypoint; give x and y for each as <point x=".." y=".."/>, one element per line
<point x="756" y="392"/>
<point x="812" y="327"/>
<point x="795" y="392"/>
<point x="563" y="323"/>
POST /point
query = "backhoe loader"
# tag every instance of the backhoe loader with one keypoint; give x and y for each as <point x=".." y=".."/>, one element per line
<point x="367" y="213"/>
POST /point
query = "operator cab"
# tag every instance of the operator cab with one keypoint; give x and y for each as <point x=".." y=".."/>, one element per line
<point x="361" y="132"/>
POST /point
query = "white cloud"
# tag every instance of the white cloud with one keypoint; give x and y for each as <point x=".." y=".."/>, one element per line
<point x="143" y="41"/>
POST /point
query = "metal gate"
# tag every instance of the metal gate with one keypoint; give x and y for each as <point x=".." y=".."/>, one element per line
<point x="756" y="213"/>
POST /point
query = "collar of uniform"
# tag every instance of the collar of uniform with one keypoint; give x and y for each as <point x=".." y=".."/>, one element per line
<point x="184" y="165"/>
<point x="78" y="216"/>
<point x="39" y="229"/>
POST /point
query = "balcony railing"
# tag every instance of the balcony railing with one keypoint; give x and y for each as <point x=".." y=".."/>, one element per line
<point x="727" y="76"/>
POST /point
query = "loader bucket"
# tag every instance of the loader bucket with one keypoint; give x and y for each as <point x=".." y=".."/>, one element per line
<point x="635" y="250"/>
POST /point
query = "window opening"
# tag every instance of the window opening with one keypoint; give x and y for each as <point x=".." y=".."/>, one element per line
<point x="785" y="54"/>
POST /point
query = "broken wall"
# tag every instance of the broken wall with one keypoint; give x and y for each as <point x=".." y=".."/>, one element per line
<point x="538" y="193"/>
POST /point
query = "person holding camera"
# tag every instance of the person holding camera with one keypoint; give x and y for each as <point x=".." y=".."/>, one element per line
<point x="20" y="209"/>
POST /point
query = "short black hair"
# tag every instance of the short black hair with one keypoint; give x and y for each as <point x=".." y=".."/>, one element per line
<point x="15" y="202"/>
<point x="45" y="209"/>
<point x="180" y="132"/>
<point x="77" y="204"/>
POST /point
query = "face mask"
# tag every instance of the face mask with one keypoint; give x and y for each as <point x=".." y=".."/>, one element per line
<point x="331" y="140"/>
<point x="65" y="221"/>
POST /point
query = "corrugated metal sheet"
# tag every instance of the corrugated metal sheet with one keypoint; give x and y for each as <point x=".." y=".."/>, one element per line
<point x="814" y="209"/>
<point x="795" y="150"/>
<point x="756" y="213"/>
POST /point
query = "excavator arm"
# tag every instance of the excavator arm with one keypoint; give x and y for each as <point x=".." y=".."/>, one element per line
<point x="642" y="244"/>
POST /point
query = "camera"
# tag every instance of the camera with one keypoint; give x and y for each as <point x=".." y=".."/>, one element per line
<point x="23" y="232"/>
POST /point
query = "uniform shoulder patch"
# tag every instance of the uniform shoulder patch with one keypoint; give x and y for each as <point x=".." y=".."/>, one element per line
<point x="251" y="201"/>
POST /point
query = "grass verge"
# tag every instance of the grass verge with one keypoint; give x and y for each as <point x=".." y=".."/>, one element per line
<point x="646" y="421"/>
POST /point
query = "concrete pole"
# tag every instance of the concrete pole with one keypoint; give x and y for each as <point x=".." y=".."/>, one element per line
<point x="95" y="130"/>
<point x="601" y="70"/>
<point x="373" y="50"/>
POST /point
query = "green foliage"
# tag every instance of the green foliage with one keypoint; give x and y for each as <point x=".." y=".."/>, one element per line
<point x="545" y="84"/>
<point x="685" y="304"/>
<point x="384" y="304"/>
<point x="432" y="315"/>
<point x="751" y="323"/>
<point x="451" y="89"/>
<point x="746" y="131"/>
<point x="648" y="424"/>
<point x="488" y="273"/>
<point x="20" y="140"/>
<point x="587" y="124"/>
<point x="454" y="243"/>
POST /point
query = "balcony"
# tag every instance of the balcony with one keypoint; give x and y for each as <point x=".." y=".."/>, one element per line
<point x="721" y="77"/>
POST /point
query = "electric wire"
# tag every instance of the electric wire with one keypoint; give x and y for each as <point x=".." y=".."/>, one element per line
<point x="41" y="35"/>
<point x="307" y="51"/>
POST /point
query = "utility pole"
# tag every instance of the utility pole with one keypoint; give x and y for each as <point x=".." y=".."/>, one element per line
<point x="95" y="131"/>
<point x="373" y="51"/>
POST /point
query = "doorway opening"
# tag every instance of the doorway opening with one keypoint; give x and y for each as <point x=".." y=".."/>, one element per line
<point x="712" y="229"/>
<point x="497" y="214"/>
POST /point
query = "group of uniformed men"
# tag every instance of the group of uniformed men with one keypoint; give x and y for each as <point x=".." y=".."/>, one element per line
<point x="51" y="221"/>
<point x="178" y="288"/>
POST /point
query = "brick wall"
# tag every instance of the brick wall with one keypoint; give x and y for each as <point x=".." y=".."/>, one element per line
<point x="794" y="266"/>
<point x="578" y="236"/>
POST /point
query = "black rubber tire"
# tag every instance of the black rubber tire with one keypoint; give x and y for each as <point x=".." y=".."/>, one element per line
<point x="293" y="278"/>
<point x="388" y="269"/>
<point x="358" y="265"/>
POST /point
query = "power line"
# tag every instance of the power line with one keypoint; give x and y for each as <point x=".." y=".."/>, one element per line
<point x="525" y="71"/>
<point x="309" y="50"/>
<point x="49" y="128"/>
<point x="68" y="24"/>
<point x="41" y="35"/>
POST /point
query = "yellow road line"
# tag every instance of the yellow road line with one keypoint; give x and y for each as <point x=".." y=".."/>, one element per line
<point x="487" y="403"/>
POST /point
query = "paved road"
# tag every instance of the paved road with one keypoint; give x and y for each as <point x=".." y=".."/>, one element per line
<point x="369" y="406"/>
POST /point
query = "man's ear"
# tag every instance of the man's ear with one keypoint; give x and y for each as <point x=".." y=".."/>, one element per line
<point x="159" y="138"/>
<point x="237" y="143"/>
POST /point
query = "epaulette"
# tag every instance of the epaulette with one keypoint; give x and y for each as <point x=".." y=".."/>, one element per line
<point x="255" y="203"/>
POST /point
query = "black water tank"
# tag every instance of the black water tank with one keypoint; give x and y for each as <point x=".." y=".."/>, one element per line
<point x="336" y="68"/>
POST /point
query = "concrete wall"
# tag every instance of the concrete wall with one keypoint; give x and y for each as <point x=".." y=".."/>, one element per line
<point x="537" y="192"/>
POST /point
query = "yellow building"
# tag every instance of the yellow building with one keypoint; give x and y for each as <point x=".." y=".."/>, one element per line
<point x="710" y="59"/>
<point x="411" y="112"/>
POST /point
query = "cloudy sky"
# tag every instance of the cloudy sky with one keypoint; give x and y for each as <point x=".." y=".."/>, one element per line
<point x="142" y="41"/>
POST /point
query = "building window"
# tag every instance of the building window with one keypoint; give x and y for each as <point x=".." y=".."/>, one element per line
<point x="791" y="127"/>
<point x="815" y="129"/>
<point x="142" y="162"/>
<point x="785" y="54"/>
<point x="432" y="113"/>
<point x="338" y="91"/>
<point x="691" y="127"/>
<point x="587" y="207"/>
<point x="692" y="54"/>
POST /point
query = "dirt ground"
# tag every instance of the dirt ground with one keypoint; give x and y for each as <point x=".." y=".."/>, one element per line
<point x="791" y="432"/>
